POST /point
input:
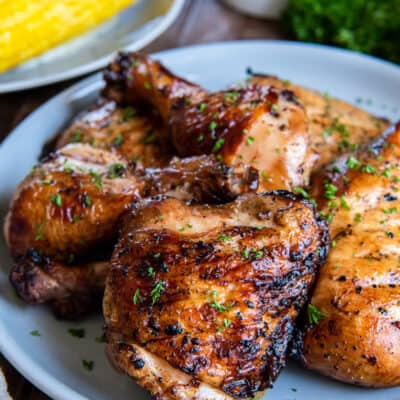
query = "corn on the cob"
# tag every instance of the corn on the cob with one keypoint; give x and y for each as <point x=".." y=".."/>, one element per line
<point x="30" y="27"/>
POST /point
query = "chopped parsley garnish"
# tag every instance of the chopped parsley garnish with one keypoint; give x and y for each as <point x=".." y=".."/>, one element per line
<point x="128" y="113"/>
<point x="352" y="163"/>
<point x="135" y="297"/>
<point x="330" y="191"/>
<point x="115" y="170"/>
<point x="151" y="272"/>
<point x="68" y="167"/>
<point x="39" y="234"/>
<point x="218" y="145"/>
<point x="275" y="107"/>
<point x="88" y="365"/>
<point x="231" y="95"/>
<point x="226" y="324"/>
<point x="392" y="210"/>
<point x="212" y="125"/>
<point x="100" y="339"/>
<point x="202" y="107"/>
<point x="56" y="199"/>
<point x="156" y="292"/>
<point x="215" y="305"/>
<point x="386" y="173"/>
<point x="87" y="200"/>
<point x="118" y="140"/>
<point x="358" y="218"/>
<point x="96" y="179"/>
<point x="200" y="138"/>
<point x="344" y="204"/>
<point x="314" y="315"/>
<point x="369" y="169"/>
<point x="147" y="85"/>
<point x="76" y="137"/>
<point x="301" y="191"/>
<point x="150" y="138"/>
<point x="135" y="63"/>
<point x="250" y="140"/>
<point x="245" y="253"/>
<point x="224" y="238"/>
<point x="78" y="333"/>
<point x="35" y="333"/>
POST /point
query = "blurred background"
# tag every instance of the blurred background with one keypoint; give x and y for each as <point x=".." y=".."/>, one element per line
<point x="46" y="45"/>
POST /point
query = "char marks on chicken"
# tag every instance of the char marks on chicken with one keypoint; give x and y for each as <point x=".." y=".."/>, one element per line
<point x="201" y="300"/>
<point x="357" y="338"/>
<point x="260" y="126"/>
<point x="69" y="207"/>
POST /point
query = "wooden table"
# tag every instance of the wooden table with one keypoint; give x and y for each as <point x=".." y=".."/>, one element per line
<point x="201" y="21"/>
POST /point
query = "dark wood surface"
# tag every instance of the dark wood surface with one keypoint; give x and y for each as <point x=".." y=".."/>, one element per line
<point x="201" y="21"/>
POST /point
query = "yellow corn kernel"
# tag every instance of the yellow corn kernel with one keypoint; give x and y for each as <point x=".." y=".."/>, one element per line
<point x="29" y="28"/>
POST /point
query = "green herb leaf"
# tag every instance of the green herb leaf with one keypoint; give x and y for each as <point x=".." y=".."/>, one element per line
<point x="56" y="199"/>
<point x="314" y="315"/>
<point x="88" y="365"/>
<point x="78" y="333"/>
<point x="136" y="296"/>
<point x="156" y="292"/>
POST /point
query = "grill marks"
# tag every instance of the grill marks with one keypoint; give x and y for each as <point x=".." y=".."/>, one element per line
<point x="235" y="278"/>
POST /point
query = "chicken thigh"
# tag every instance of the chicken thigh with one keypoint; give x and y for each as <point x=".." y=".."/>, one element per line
<point x="201" y="300"/>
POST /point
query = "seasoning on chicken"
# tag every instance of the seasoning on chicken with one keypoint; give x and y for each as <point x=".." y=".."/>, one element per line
<point x="70" y="206"/>
<point x="336" y="127"/>
<point x="257" y="125"/>
<point x="134" y="134"/>
<point x="356" y="335"/>
<point x="201" y="300"/>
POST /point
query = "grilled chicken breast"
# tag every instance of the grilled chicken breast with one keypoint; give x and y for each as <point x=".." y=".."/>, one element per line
<point x="357" y="337"/>
<point x="336" y="127"/>
<point x="258" y="125"/>
<point x="132" y="133"/>
<point x="201" y="300"/>
<point x="68" y="209"/>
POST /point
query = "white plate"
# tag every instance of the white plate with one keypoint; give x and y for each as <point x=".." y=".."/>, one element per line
<point x="53" y="361"/>
<point x="130" y="30"/>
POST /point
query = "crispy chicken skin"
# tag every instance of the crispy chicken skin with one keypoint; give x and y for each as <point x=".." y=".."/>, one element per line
<point x="69" y="207"/>
<point x="70" y="202"/>
<point x="136" y="135"/>
<point x="335" y="126"/>
<point x="358" y="289"/>
<point x="258" y="125"/>
<point x="72" y="290"/>
<point x="210" y="291"/>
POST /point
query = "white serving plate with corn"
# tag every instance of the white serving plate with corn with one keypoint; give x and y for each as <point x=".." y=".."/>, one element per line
<point x="130" y="29"/>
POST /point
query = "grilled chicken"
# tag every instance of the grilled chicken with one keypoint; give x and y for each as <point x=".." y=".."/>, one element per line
<point x="69" y="207"/>
<point x="336" y="127"/>
<point x="258" y="125"/>
<point x="70" y="203"/>
<point x="357" y="337"/>
<point x="201" y="300"/>
<point x="134" y="134"/>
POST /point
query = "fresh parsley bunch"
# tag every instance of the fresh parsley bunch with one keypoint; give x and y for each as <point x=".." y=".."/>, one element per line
<point x="370" y="26"/>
